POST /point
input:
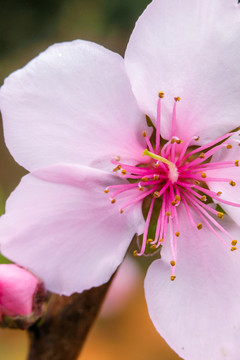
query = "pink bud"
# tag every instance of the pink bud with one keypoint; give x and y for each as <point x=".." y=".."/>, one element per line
<point x="19" y="292"/>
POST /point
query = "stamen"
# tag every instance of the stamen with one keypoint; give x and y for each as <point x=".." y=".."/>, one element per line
<point x="220" y="215"/>
<point x="161" y="96"/>
<point x="117" y="168"/>
<point x="176" y="176"/>
<point x="204" y="147"/>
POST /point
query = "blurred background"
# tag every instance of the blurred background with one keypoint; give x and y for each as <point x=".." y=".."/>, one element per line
<point x="123" y="329"/>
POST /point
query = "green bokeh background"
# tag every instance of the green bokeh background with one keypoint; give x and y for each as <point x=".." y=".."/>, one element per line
<point x="27" y="27"/>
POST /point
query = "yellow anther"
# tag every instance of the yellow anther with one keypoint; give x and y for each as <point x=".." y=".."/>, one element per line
<point x="140" y="188"/>
<point x="117" y="158"/>
<point x="173" y="277"/>
<point x="135" y="253"/>
<point x="229" y="146"/>
<point x="124" y="172"/>
<point x="106" y="191"/>
<point x="203" y="198"/>
<point x="156" y="194"/>
<point x="113" y="201"/>
<point x="236" y="162"/>
<point x="161" y="94"/>
<point x="172" y="262"/>
<point x="177" y="198"/>
<point x="232" y="183"/>
<point x="233" y="248"/>
<point x="219" y="193"/>
<point x="196" y="182"/>
<point x="161" y="240"/>
<point x="220" y="215"/>
<point x="172" y="141"/>
<point x="144" y="179"/>
<point x="202" y="155"/>
<point x="196" y="138"/>
<point x="238" y="144"/>
<point x="234" y="242"/>
<point x="153" y="247"/>
<point x="174" y="202"/>
<point x="177" y="233"/>
<point x="203" y="175"/>
<point x="156" y="177"/>
<point x="117" y="168"/>
<point x="177" y="98"/>
<point x="168" y="213"/>
<point x="199" y="226"/>
<point x="149" y="241"/>
<point x="144" y="133"/>
<point x="179" y="141"/>
<point x="121" y="211"/>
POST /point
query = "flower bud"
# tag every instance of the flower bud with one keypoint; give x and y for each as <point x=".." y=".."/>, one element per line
<point x="21" y="297"/>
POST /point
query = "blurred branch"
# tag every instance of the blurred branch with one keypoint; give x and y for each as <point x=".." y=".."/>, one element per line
<point x="63" y="330"/>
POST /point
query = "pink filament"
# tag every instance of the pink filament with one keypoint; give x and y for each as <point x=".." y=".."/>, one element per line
<point x="189" y="188"/>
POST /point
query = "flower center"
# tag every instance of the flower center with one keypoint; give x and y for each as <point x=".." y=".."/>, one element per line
<point x="172" y="168"/>
<point x="176" y="174"/>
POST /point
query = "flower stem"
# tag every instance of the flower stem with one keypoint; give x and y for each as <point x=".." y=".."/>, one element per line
<point x="61" y="334"/>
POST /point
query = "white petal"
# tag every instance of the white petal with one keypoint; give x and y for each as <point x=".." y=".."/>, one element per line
<point x="189" y="49"/>
<point x="65" y="230"/>
<point x="229" y="193"/>
<point x="72" y="103"/>
<point x="197" y="314"/>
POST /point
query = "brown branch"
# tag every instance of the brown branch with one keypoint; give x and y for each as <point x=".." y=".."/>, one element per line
<point x="64" y="328"/>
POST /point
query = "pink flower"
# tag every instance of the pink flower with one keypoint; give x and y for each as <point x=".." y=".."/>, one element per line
<point x="17" y="290"/>
<point x="72" y="114"/>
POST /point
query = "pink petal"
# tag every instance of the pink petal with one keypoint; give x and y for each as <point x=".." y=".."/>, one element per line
<point x="17" y="287"/>
<point x="229" y="193"/>
<point x="73" y="103"/>
<point x="66" y="230"/>
<point x="188" y="49"/>
<point x="198" y="313"/>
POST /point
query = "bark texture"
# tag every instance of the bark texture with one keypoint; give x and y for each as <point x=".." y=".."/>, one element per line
<point x="61" y="333"/>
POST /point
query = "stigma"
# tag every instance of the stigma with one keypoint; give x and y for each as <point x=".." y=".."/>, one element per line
<point x="172" y="169"/>
<point x="176" y="174"/>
